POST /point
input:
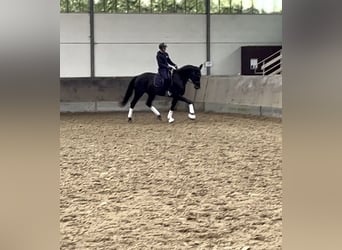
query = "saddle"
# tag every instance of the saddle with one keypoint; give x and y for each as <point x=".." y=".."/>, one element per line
<point x="158" y="81"/>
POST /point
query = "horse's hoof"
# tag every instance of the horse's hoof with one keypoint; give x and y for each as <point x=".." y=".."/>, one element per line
<point x="159" y="117"/>
<point x="129" y="119"/>
<point x="171" y="120"/>
<point x="192" y="116"/>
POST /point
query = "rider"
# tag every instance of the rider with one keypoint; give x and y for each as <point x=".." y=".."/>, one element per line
<point x="164" y="61"/>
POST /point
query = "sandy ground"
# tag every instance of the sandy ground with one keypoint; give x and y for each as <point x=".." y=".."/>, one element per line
<point x="213" y="183"/>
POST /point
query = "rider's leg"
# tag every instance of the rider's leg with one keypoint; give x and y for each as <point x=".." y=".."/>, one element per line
<point x="168" y="87"/>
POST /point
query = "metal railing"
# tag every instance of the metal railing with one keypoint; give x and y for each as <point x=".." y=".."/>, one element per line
<point x="271" y="65"/>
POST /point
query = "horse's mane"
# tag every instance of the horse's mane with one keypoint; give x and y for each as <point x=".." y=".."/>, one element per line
<point x="187" y="67"/>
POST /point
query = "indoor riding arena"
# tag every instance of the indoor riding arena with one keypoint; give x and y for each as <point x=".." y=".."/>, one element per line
<point x="210" y="182"/>
<point x="213" y="183"/>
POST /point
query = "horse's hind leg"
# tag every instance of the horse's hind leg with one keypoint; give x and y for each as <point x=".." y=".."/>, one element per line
<point x="149" y="104"/>
<point x="136" y="97"/>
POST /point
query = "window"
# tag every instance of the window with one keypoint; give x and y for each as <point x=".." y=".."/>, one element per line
<point x="74" y="6"/>
<point x="133" y="6"/>
<point x="267" y="6"/>
<point x="214" y="6"/>
<point x="180" y="6"/>
<point x="224" y="7"/>
<point x="174" y="6"/>
<point x="247" y="7"/>
<point x="145" y="6"/>
<point x="169" y="6"/>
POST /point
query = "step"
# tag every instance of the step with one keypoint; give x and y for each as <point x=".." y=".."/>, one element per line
<point x="278" y="58"/>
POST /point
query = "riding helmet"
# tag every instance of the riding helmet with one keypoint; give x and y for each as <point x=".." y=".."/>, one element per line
<point x="162" y="45"/>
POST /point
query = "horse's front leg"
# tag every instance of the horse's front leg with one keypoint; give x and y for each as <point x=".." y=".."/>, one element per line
<point x="191" y="114"/>
<point x="173" y="106"/>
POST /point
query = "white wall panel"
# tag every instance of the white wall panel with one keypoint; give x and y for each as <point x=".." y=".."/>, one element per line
<point x="126" y="44"/>
<point x="133" y="59"/>
<point x="226" y="59"/>
<point x="246" y="28"/>
<point x="130" y="28"/>
<point x="123" y="60"/>
<point x="74" y="28"/>
<point x="74" y="60"/>
<point x="184" y="54"/>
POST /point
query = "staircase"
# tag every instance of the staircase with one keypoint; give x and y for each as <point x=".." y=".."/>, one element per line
<point x="271" y="65"/>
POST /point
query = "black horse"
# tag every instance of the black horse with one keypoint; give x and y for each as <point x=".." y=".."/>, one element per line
<point x="146" y="83"/>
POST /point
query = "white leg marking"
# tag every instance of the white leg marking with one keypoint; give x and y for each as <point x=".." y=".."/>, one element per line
<point x="191" y="114"/>
<point x="169" y="116"/>
<point x="155" y="111"/>
<point x="130" y="113"/>
<point x="191" y="109"/>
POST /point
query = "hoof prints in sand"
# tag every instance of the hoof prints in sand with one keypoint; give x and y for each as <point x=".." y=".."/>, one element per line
<point x="213" y="183"/>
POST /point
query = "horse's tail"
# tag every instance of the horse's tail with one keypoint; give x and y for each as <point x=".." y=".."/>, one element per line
<point x="129" y="92"/>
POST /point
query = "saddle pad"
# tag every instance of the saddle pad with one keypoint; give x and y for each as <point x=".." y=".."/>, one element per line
<point x="158" y="81"/>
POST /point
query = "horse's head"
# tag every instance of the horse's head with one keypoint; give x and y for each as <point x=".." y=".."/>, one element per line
<point x="195" y="76"/>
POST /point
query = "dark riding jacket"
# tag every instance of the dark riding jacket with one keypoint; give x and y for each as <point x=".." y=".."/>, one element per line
<point x="164" y="60"/>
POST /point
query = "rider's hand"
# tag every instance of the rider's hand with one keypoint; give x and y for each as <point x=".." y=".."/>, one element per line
<point x="176" y="67"/>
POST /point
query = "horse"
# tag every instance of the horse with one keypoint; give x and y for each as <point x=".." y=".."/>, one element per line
<point x="146" y="83"/>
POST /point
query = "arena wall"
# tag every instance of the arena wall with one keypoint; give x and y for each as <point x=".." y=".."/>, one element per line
<point x="255" y="95"/>
<point x="126" y="44"/>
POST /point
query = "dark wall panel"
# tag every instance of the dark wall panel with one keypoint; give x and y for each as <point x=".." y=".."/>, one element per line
<point x="258" y="52"/>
